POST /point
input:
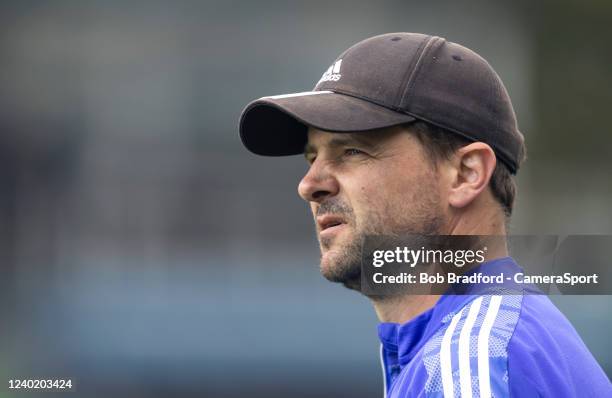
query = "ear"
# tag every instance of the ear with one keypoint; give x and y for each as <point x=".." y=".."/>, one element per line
<point x="474" y="164"/>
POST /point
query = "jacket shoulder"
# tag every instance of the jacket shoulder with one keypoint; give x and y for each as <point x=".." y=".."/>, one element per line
<point x="468" y="356"/>
<point x="548" y="356"/>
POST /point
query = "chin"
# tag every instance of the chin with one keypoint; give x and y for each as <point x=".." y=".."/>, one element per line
<point x="342" y="265"/>
<point x="334" y="253"/>
<point x="329" y="261"/>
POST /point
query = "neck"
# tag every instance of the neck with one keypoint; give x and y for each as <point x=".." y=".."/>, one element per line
<point x="480" y="218"/>
<point x="401" y="309"/>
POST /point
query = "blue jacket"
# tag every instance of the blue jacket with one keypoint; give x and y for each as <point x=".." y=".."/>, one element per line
<point x="478" y="345"/>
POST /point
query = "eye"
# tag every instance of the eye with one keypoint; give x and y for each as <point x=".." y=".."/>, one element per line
<point x="310" y="159"/>
<point x="353" y="151"/>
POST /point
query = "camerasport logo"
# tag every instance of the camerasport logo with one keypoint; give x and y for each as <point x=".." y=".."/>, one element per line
<point x="332" y="73"/>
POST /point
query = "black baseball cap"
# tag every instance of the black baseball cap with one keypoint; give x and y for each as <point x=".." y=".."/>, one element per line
<point x="389" y="80"/>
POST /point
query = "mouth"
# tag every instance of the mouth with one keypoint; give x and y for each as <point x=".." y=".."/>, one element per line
<point x="329" y="224"/>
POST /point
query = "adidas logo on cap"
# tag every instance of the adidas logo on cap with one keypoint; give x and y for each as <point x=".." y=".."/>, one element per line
<point x="332" y="73"/>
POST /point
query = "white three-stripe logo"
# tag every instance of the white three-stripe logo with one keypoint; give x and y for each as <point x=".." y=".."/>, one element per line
<point x="465" y="372"/>
<point x="332" y="73"/>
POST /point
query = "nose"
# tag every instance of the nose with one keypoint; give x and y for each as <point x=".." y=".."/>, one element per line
<point x="318" y="184"/>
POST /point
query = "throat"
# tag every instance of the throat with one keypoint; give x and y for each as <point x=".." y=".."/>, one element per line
<point x="401" y="309"/>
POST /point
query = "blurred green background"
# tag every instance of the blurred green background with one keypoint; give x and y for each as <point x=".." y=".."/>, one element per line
<point x="145" y="253"/>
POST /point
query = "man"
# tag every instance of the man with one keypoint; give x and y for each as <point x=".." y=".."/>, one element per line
<point x="409" y="133"/>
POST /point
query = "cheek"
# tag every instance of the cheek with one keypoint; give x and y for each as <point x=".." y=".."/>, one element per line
<point x="389" y="196"/>
<point x="372" y="200"/>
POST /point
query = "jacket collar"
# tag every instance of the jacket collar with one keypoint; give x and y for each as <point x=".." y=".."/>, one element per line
<point x="401" y="342"/>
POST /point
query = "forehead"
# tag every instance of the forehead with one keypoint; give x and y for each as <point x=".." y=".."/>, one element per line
<point x="318" y="139"/>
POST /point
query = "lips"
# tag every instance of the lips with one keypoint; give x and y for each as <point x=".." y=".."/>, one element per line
<point x="329" y="221"/>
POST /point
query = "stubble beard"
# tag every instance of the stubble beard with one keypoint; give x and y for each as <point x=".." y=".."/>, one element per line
<point x="342" y="262"/>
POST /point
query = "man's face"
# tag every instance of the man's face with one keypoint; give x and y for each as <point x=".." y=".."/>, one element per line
<point x="378" y="182"/>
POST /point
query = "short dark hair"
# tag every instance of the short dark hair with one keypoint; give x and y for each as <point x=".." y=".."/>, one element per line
<point x="440" y="144"/>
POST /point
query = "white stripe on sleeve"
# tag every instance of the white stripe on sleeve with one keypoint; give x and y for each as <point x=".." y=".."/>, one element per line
<point x="445" y="357"/>
<point x="465" y="375"/>
<point x="484" y="381"/>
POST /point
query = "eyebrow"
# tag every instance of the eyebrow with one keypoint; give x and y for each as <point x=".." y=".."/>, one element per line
<point x="344" y="140"/>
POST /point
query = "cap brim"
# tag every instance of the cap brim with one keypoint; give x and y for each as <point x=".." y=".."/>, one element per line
<point x="277" y="126"/>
